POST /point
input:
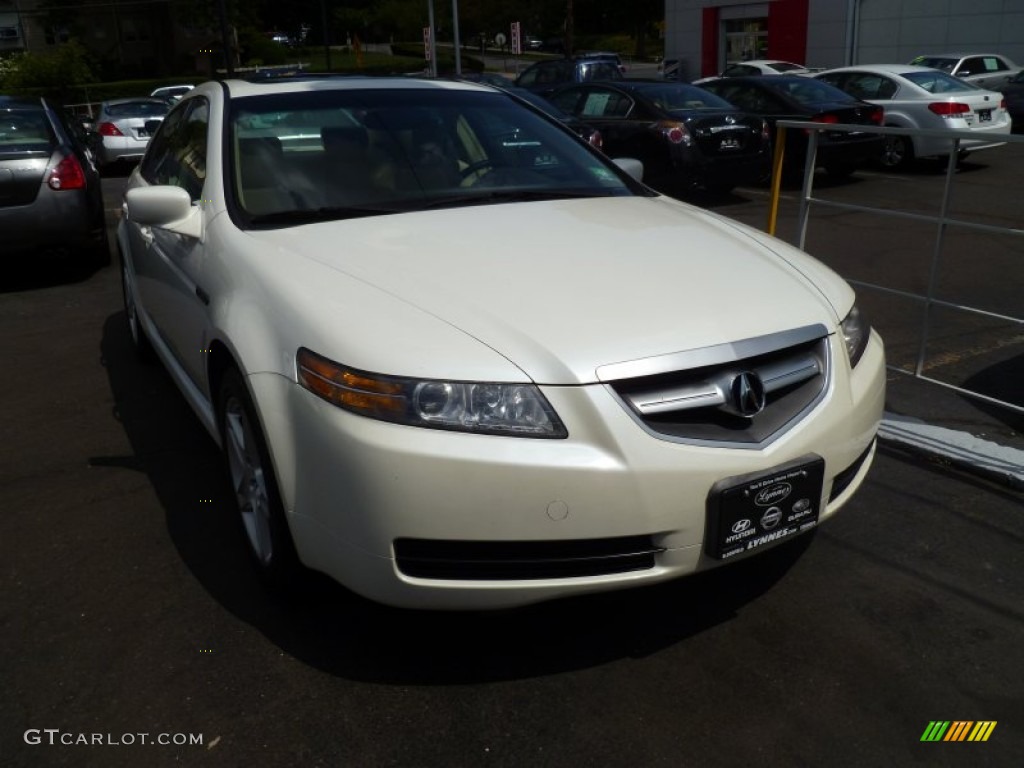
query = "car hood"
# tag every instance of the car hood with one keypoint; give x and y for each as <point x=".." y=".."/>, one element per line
<point x="563" y="288"/>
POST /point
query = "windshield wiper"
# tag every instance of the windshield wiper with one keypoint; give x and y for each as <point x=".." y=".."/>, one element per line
<point x="508" y="196"/>
<point x="298" y="216"/>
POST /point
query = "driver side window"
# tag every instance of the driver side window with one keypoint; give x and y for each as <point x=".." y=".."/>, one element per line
<point x="177" y="154"/>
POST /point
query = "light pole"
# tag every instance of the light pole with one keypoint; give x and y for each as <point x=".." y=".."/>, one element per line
<point x="225" y="40"/>
<point x="327" y="42"/>
<point x="455" y="37"/>
<point x="433" y="38"/>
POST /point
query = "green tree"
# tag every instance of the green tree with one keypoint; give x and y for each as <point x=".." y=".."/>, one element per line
<point x="54" y="71"/>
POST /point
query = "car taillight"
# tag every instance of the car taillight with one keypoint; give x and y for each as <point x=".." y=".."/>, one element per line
<point x="824" y="117"/>
<point x="595" y="139"/>
<point x="67" y="175"/>
<point x="877" y="115"/>
<point x="1002" y="103"/>
<point x="766" y="132"/>
<point x="676" y="133"/>
<point x="948" y="108"/>
<point x="109" y="129"/>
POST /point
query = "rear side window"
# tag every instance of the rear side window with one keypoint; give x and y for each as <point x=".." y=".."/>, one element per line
<point x="24" y="131"/>
<point x="868" y="86"/>
<point x="600" y="70"/>
<point x="604" y="103"/>
<point x="981" y="65"/>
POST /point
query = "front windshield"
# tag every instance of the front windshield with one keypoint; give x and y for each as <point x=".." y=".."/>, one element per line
<point x="333" y="153"/>
<point x="935" y="62"/>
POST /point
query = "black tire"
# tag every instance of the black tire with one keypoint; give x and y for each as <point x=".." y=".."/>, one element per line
<point x="252" y="477"/>
<point x="897" y="152"/>
<point x="719" y="187"/>
<point x="140" y="342"/>
<point x="100" y="251"/>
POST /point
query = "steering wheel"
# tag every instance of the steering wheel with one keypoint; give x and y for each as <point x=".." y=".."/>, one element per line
<point x="472" y="168"/>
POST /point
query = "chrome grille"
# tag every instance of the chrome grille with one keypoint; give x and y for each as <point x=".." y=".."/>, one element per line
<point x="701" y="403"/>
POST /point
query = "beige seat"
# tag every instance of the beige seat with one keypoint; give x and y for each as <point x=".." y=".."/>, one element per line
<point x="348" y="169"/>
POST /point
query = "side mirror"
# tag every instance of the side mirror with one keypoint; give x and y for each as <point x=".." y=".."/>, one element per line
<point x="630" y="165"/>
<point x="165" y="207"/>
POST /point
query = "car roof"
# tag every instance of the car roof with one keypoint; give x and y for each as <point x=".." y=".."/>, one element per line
<point x="891" y="69"/>
<point x="775" y="81"/>
<point x="303" y="83"/>
<point x="135" y="100"/>
<point x="957" y="55"/>
<point x="20" y="102"/>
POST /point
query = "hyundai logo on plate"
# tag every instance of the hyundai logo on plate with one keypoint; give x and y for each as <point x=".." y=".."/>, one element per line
<point x="741" y="525"/>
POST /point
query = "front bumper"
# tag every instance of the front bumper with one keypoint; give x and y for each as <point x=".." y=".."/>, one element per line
<point x="353" y="487"/>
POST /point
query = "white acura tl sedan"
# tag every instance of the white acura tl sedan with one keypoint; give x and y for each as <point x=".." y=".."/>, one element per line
<point x="456" y="358"/>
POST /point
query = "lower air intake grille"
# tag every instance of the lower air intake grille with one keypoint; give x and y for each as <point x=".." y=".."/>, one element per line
<point x="521" y="560"/>
<point x="843" y="479"/>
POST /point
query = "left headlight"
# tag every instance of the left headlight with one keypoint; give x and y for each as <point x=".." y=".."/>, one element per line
<point x="518" y="410"/>
<point x="856" y="331"/>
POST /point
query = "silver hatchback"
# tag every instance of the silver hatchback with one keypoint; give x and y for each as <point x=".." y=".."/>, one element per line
<point x="126" y="125"/>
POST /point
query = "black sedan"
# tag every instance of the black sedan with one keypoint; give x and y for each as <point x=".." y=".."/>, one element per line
<point x="1013" y="92"/>
<point x="792" y="97"/>
<point x="50" y="196"/>
<point x="686" y="138"/>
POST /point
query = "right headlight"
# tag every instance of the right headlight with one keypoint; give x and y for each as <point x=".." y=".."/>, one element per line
<point x="494" y="408"/>
<point x="856" y="331"/>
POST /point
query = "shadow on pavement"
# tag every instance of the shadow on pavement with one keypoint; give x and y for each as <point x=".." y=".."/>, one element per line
<point x="34" y="271"/>
<point x="1002" y="381"/>
<point x="326" y="626"/>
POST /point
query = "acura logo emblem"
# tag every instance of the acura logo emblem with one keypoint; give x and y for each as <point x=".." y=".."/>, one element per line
<point x="748" y="393"/>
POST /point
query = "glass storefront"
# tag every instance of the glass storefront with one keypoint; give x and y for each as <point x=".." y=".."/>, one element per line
<point x="746" y="39"/>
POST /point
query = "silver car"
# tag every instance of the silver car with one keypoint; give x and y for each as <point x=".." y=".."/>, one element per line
<point x="919" y="97"/>
<point x="126" y="125"/>
<point x="986" y="70"/>
<point x="50" y="195"/>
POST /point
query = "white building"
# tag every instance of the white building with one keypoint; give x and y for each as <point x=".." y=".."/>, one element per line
<point x="705" y="34"/>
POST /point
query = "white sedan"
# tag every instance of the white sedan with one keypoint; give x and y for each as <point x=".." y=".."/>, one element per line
<point x="756" y="68"/>
<point x="456" y="358"/>
<point x="920" y="97"/>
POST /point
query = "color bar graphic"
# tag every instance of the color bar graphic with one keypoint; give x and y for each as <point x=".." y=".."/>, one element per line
<point x="958" y="730"/>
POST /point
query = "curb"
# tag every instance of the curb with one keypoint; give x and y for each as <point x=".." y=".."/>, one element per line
<point x="962" y="449"/>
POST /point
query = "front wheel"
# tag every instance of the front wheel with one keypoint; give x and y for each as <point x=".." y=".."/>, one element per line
<point x="840" y="170"/>
<point x="254" y="484"/>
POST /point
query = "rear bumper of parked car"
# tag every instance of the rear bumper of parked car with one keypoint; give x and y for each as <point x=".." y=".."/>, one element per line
<point x="122" y="148"/>
<point x="843" y="149"/>
<point x="988" y="136"/>
<point x="365" y="498"/>
<point x="55" y="220"/>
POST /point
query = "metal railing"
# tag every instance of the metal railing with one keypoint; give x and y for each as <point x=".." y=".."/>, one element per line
<point x="942" y="220"/>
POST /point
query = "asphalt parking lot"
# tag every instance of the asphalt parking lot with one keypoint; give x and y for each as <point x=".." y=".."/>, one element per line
<point x="131" y="614"/>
